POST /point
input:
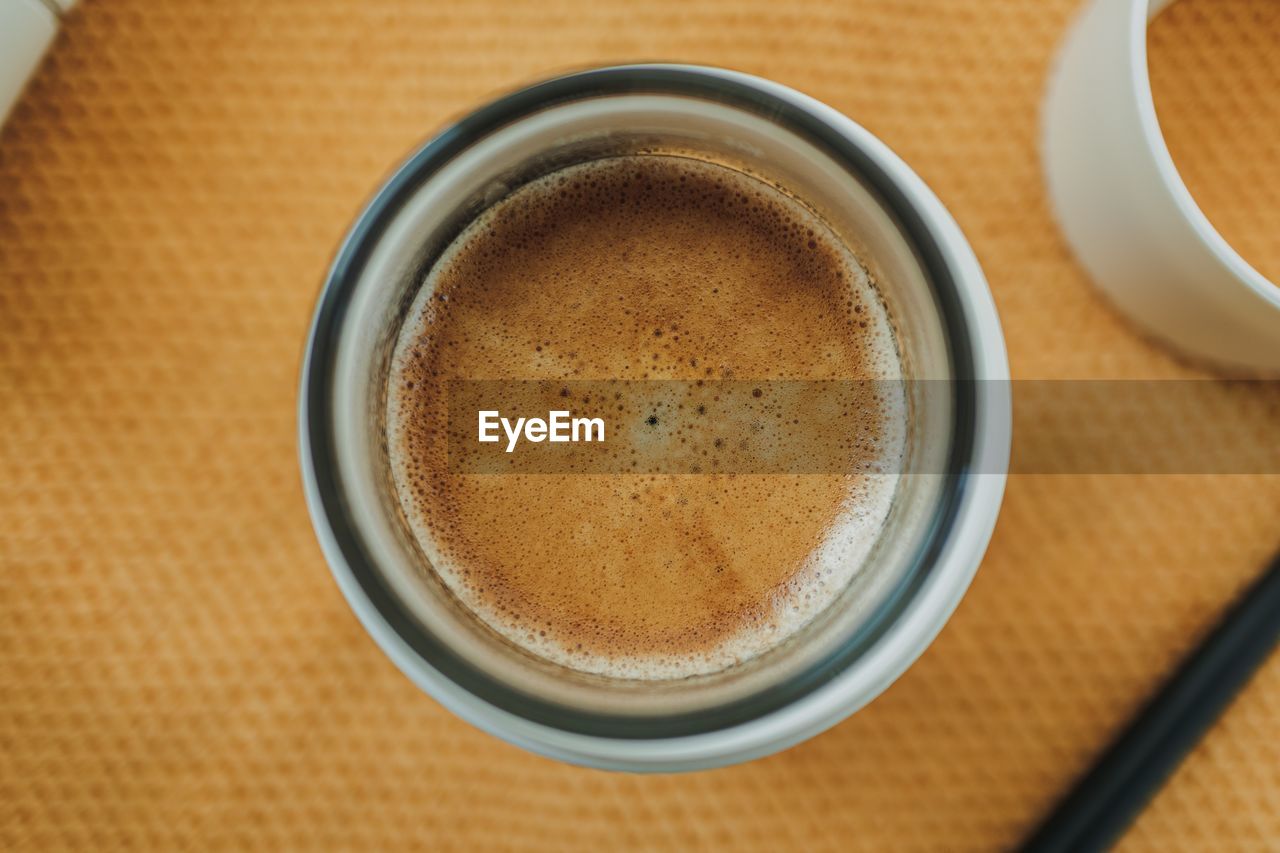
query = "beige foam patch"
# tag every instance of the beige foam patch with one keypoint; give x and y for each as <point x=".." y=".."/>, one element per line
<point x="179" y="670"/>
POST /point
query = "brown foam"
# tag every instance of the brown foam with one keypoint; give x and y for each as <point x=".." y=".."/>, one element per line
<point x="640" y="268"/>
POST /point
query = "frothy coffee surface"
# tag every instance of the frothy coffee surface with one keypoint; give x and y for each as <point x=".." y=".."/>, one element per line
<point x="642" y="267"/>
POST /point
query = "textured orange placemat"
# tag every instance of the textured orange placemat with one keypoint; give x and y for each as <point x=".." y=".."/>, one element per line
<point x="178" y="669"/>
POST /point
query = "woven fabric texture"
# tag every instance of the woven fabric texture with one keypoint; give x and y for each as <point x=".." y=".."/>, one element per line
<point x="178" y="669"/>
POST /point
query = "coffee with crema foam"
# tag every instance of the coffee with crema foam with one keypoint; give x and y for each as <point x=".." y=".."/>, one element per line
<point x="642" y="268"/>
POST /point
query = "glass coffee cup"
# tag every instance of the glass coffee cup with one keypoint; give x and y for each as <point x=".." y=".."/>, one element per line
<point x="946" y="498"/>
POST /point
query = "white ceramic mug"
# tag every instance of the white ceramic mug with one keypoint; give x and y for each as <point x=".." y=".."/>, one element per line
<point x="941" y="520"/>
<point x="1127" y="214"/>
<point x="27" y="28"/>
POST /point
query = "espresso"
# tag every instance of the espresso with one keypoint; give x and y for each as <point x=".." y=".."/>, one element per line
<point x="643" y="268"/>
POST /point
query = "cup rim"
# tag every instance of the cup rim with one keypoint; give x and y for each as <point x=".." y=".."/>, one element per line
<point x="1141" y="12"/>
<point x="920" y="606"/>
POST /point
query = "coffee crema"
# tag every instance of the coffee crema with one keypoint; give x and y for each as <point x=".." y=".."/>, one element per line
<point x="643" y="267"/>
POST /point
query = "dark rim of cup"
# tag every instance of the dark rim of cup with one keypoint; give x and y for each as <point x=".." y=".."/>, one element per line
<point x="335" y="297"/>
